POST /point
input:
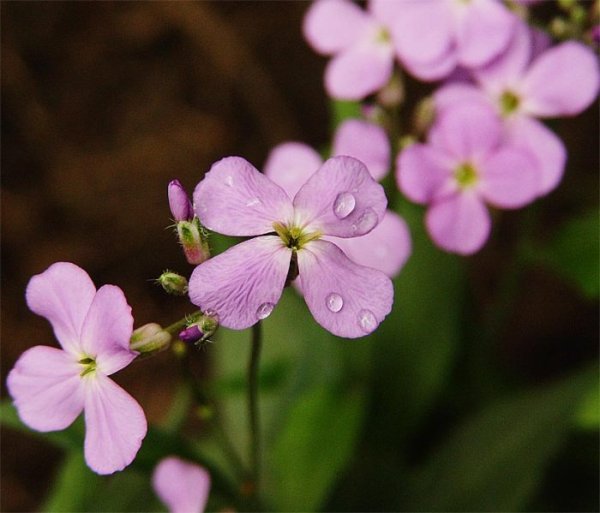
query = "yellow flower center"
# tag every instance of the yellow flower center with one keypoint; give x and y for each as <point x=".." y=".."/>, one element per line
<point x="295" y="237"/>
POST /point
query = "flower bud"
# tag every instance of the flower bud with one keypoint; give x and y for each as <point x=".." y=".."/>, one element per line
<point x="193" y="238"/>
<point x="173" y="283"/>
<point x="200" y="330"/>
<point x="392" y="93"/>
<point x="149" y="338"/>
<point x="179" y="203"/>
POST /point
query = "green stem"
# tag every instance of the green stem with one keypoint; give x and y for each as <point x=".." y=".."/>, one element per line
<point x="176" y="327"/>
<point x="253" y="413"/>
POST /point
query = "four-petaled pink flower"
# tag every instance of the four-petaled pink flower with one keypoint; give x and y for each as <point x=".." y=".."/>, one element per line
<point x="465" y="165"/>
<point x="363" y="55"/>
<point x="530" y="81"/>
<point x="291" y="164"/>
<point x="182" y="486"/>
<point x="243" y="284"/>
<point x="51" y="387"/>
<point x="433" y="37"/>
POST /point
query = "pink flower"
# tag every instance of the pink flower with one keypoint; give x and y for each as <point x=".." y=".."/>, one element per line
<point x="433" y="37"/>
<point x="243" y="284"/>
<point x="530" y="81"/>
<point x="386" y="247"/>
<point x="360" y="46"/>
<point x="183" y="487"/>
<point x="51" y="387"/>
<point x="465" y="165"/>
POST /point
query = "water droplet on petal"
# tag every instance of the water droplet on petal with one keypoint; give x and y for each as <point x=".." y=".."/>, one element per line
<point x="334" y="302"/>
<point x="264" y="310"/>
<point x="367" y="321"/>
<point x="344" y="204"/>
<point x="365" y="223"/>
<point x="253" y="202"/>
<point x="229" y="181"/>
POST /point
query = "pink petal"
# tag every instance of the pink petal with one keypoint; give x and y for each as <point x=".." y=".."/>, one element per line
<point x="359" y="70"/>
<point x="115" y="425"/>
<point x="347" y="299"/>
<point x="243" y="284"/>
<point x="107" y="329"/>
<point x="460" y="223"/>
<point x="341" y="199"/>
<point x="62" y="294"/>
<point x="432" y="70"/>
<point x="505" y="71"/>
<point x="563" y="81"/>
<point x="235" y="199"/>
<point x="484" y="30"/>
<point x="332" y="25"/>
<point x="544" y="145"/>
<point x="366" y="142"/>
<point x="46" y="388"/>
<point x="183" y="487"/>
<point x="467" y="131"/>
<point x="291" y="164"/>
<point x="386" y="248"/>
<point x="455" y="93"/>
<point x="422" y="30"/>
<point x="421" y="172"/>
<point x="509" y="178"/>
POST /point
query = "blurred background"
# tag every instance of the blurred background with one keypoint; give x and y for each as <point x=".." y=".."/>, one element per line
<point x="478" y="393"/>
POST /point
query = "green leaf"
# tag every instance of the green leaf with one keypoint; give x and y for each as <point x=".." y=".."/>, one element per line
<point x="495" y="460"/>
<point x="587" y="415"/>
<point x="574" y="253"/>
<point x="342" y="110"/>
<point x="313" y="448"/>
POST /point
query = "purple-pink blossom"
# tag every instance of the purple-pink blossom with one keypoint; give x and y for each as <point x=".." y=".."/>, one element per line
<point x="51" y="387"/>
<point x="182" y="486"/>
<point x="432" y="37"/>
<point x="466" y="164"/>
<point x="531" y="81"/>
<point x="388" y="246"/>
<point x="243" y="284"/>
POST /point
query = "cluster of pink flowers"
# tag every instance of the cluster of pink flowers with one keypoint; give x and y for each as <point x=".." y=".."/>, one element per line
<point x="486" y="145"/>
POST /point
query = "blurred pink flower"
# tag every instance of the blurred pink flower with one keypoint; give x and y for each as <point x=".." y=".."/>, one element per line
<point x="464" y="165"/>
<point x="51" y="387"/>
<point x="182" y="486"/>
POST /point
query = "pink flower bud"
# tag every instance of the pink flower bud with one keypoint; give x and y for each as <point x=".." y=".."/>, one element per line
<point x="179" y="203"/>
<point x="193" y="239"/>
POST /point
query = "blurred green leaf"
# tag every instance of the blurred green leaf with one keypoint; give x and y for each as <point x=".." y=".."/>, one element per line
<point x="495" y="460"/>
<point x="587" y="415"/>
<point x="574" y="252"/>
<point x="314" y="446"/>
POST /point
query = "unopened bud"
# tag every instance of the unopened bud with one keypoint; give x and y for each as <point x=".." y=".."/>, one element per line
<point x="173" y="283"/>
<point x="392" y="93"/>
<point x="424" y="115"/>
<point x="200" y="330"/>
<point x="179" y="202"/>
<point x="194" y="241"/>
<point x="149" y="338"/>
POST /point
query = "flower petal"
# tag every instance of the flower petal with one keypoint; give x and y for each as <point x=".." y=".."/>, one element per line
<point x="243" y="284"/>
<point x="432" y="70"/>
<point x="62" y="294"/>
<point x="115" y="425"/>
<point x="459" y="223"/>
<point x="484" y="30"/>
<point x="544" y="145"/>
<point x="386" y="248"/>
<point x="422" y="172"/>
<point x="563" y="81"/>
<point x="366" y="142"/>
<point x="454" y="93"/>
<point x="347" y="299"/>
<point x="291" y="164"/>
<point x="467" y="131"/>
<point x="183" y="487"/>
<point x="509" y="178"/>
<point x="235" y="199"/>
<point x="359" y="70"/>
<point x="46" y="388"/>
<point x="332" y="25"/>
<point x="107" y="329"/>
<point x="422" y="30"/>
<point x="341" y="199"/>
